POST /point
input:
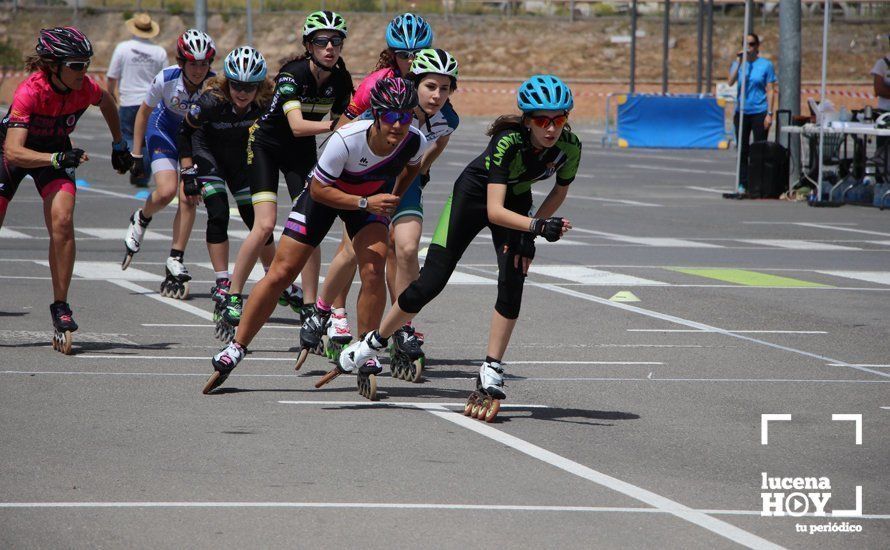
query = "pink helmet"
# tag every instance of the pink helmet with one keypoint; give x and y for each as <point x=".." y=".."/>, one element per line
<point x="63" y="43"/>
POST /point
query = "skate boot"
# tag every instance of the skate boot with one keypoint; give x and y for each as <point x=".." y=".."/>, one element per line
<point x="224" y="363"/>
<point x="311" y="333"/>
<point x="232" y="311"/>
<point x="337" y="334"/>
<point x="306" y="312"/>
<point x="63" y="326"/>
<point x="485" y="402"/>
<point x="406" y="357"/>
<point x="176" y="285"/>
<point x="293" y="297"/>
<point x="356" y="355"/>
<point x="135" y="234"/>
<point x="219" y="294"/>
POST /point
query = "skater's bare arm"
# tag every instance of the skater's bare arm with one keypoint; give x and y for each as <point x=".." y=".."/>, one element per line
<point x="382" y="204"/>
<point x="300" y="127"/>
<point x="405" y="178"/>
<point x="108" y="106"/>
<point x="553" y="201"/>
<point x="17" y="154"/>
<point x="499" y="215"/>
<point x="139" y="128"/>
<point x="433" y="152"/>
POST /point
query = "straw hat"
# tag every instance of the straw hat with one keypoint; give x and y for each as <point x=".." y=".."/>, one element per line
<point x="142" y="26"/>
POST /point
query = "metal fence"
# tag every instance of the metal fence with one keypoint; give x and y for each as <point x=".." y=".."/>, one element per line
<point x="680" y="9"/>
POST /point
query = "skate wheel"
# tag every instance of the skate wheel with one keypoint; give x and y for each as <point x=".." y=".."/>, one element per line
<point x="126" y="263"/>
<point x="367" y="386"/>
<point x="415" y="370"/>
<point x="184" y="291"/>
<point x="482" y="411"/>
<point x="333" y="373"/>
<point x="216" y="379"/>
<point x="395" y="367"/>
<point x="304" y="354"/>
<point x="493" y="409"/>
<point x="471" y="402"/>
<point x="62" y="342"/>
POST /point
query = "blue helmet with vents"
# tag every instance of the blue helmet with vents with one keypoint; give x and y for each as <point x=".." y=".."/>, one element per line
<point x="544" y="92"/>
<point x="409" y="32"/>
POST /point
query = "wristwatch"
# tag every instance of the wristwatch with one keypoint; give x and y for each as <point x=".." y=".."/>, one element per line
<point x="363" y="203"/>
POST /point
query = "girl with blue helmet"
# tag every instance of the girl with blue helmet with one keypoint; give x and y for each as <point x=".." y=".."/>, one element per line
<point x="494" y="191"/>
<point x="212" y="145"/>
<point x="172" y="94"/>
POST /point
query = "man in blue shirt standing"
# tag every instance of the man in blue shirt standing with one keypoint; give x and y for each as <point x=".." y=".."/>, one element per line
<point x="759" y="100"/>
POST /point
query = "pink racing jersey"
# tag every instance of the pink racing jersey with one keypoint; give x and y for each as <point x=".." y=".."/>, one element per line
<point x="49" y="116"/>
<point x="361" y="99"/>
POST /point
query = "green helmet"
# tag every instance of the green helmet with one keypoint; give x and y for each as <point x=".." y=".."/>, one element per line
<point x="324" y="21"/>
<point x="435" y="61"/>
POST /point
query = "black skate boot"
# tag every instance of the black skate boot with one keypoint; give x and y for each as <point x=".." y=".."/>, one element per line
<point x="406" y="358"/>
<point x="224" y="363"/>
<point x="311" y="333"/>
<point x="63" y="326"/>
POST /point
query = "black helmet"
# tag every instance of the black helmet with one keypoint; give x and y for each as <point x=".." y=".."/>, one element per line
<point x="393" y="94"/>
<point x="63" y="43"/>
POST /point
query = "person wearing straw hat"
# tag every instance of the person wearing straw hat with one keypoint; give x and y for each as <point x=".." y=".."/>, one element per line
<point x="133" y="66"/>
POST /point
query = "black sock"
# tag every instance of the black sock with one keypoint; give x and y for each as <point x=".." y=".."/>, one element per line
<point x="383" y="341"/>
<point x="490" y="359"/>
<point x="177" y="254"/>
<point x="142" y="219"/>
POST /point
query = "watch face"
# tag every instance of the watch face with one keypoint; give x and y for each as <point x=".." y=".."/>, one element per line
<point x="363" y="203"/>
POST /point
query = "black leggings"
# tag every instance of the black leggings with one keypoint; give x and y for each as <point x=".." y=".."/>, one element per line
<point x="463" y="218"/>
<point x="214" y="180"/>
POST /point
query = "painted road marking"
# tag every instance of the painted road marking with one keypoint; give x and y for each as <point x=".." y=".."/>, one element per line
<point x="461" y="278"/>
<point x="108" y="271"/>
<point x="683" y="170"/>
<point x="882" y="243"/>
<point x="797" y="245"/>
<point x="6" y="233"/>
<point x="602" y="199"/>
<point x="649" y="241"/>
<point x="195" y="325"/>
<point x="588" y="276"/>
<point x="417" y="404"/>
<point x="728" y="330"/>
<point x="880" y="366"/>
<point x="836" y="228"/>
<point x="655" y="500"/>
<point x="748" y="278"/>
<point x="706" y="189"/>
<point x="119" y="233"/>
<point x="172" y="302"/>
<point x="879" y="277"/>
<point x="470" y="377"/>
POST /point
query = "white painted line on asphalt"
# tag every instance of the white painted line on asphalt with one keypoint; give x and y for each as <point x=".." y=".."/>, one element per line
<point x="836" y="228"/>
<point x="882" y="243"/>
<point x="886" y="408"/>
<point x="110" y="193"/>
<point x="697" y="325"/>
<point x="415" y="404"/>
<point x="467" y="378"/>
<point x="667" y="505"/>
<point x="683" y="170"/>
<point x="550" y="362"/>
<point x="685" y="330"/>
<point x="879" y="365"/>
<point x="650" y="241"/>
<point x="196" y="325"/>
<point x="118" y="234"/>
<point x="108" y="271"/>
<point x="602" y="199"/>
<point x="178" y="304"/>
<point x="879" y="277"/>
<point x="384" y="505"/>
<point x="790" y="244"/>
<point x="6" y="233"/>
<point x="461" y="278"/>
<point x="588" y="276"/>
<point x="256" y="273"/>
<point x="707" y="189"/>
<point x="176" y="357"/>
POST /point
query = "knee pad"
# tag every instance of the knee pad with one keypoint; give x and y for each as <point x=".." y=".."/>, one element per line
<point x="437" y="268"/>
<point x="217" y="221"/>
<point x="510" y="284"/>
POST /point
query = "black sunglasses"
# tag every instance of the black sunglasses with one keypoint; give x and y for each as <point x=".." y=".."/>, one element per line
<point x="77" y="65"/>
<point x="322" y="41"/>
<point x="243" y="86"/>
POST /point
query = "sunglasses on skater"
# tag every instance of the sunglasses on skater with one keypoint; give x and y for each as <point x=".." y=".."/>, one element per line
<point x="391" y="117"/>
<point x="544" y="121"/>
<point x="77" y="65"/>
<point x="243" y="86"/>
<point x="322" y="41"/>
<point x="405" y="54"/>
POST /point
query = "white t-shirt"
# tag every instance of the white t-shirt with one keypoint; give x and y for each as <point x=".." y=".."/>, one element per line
<point x="134" y="65"/>
<point x="882" y="70"/>
<point x="348" y="163"/>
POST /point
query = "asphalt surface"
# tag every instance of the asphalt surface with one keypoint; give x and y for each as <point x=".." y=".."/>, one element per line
<point x="627" y="424"/>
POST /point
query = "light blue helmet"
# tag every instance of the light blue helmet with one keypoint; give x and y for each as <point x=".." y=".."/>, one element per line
<point x="245" y="64"/>
<point x="544" y="92"/>
<point x="409" y="32"/>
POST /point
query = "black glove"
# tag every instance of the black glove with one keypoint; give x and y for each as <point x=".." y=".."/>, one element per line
<point x="550" y="229"/>
<point x="137" y="169"/>
<point x="190" y="185"/>
<point x="121" y="159"/>
<point x="67" y="159"/>
<point x="525" y="247"/>
<point x="424" y="179"/>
